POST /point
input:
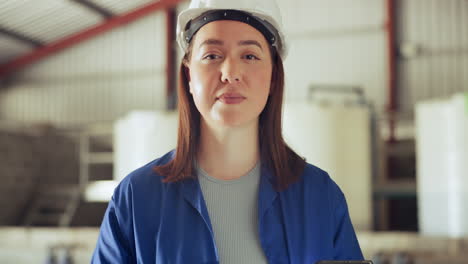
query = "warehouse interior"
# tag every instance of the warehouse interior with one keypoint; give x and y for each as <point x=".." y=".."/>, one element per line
<point x="376" y="94"/>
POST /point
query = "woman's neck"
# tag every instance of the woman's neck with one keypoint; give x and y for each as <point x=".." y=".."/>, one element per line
<point x="228" y="153"/>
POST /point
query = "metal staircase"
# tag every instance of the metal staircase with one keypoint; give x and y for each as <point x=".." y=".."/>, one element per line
<point x="55" y="205"/>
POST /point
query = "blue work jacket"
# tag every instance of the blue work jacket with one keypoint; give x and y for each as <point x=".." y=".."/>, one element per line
<point x="148" y="221"/>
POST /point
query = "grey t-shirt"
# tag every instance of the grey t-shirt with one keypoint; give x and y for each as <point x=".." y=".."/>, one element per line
<point x="233" y="209"/>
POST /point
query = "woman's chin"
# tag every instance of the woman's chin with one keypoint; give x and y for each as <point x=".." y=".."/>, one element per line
<point x="230" y="121"/>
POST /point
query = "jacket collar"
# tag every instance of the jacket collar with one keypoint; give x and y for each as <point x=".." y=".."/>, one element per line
<point x="266" y="191"/>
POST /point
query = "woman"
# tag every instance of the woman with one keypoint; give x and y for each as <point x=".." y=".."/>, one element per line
<point x="232" y="191"/>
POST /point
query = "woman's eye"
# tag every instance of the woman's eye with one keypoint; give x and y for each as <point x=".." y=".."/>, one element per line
<point x="211" y="57"/>
<point x="251" y="57"/>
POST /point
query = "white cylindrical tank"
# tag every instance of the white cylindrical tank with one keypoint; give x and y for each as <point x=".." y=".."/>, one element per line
<point x="337" y="139"/>
<point x="140" y="137"/>
<point x="442" y="166"/>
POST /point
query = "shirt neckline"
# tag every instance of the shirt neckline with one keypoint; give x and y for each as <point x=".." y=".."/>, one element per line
<point x="241" y="179"/>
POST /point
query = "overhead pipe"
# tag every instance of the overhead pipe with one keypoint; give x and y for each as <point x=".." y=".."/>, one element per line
<point x="70" y="41"/>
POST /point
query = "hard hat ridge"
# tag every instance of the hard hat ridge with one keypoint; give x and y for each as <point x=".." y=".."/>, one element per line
<point x="263" y="15"/>
<point x="263" y="26"/>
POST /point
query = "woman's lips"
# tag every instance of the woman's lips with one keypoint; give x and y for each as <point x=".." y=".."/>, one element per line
<point x="231" y="98"/>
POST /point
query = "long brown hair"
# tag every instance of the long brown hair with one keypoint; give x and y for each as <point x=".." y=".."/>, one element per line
<point x="284" y="163"/>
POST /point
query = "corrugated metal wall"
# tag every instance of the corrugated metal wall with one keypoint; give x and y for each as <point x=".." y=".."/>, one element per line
<point x="98" y="80"/>
<point x="433" y="38"/>
<point x="332" y="42"/>
<point x="336" y="42"/>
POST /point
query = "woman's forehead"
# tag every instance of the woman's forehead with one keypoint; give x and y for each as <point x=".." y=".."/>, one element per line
<point x="227" y="31"/>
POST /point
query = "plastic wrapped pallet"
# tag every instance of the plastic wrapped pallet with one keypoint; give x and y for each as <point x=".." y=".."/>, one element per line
<point x="337" y="139"/>
<point x="141" y="137"/>
<point x="442" y="165"/>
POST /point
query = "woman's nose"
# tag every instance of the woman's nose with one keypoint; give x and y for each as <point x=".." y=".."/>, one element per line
<point x="230" y="71"/>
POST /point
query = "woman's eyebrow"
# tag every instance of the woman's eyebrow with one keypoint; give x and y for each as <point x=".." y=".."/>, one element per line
<point x="240" y="43"/>
<point x="212" y="42"/>
<point x="250" y="42"/>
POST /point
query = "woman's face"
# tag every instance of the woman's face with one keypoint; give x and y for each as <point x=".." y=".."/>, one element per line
<point x="229" y="73"/>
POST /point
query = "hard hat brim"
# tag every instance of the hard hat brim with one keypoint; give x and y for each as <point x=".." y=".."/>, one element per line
<point x="189" y="14"/>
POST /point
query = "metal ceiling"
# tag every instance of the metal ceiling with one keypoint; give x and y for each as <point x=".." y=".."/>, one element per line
<point x="121" y="6"/>
<point x="11" y="48"/>
<point x="26" y="25"/>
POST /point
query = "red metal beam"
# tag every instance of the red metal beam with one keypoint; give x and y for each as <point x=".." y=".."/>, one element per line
<point x="392" y="70"/>
<point x="67" y="42"/>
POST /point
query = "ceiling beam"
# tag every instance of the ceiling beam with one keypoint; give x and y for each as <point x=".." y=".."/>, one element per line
<point x="102" y="11"/>
<point x="70" y="41"/>
<point x="23" y="38"/>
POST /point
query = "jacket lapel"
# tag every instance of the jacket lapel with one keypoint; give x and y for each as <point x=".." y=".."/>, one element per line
<point x="266" y="192"/>
<point x="193" y="195"/>
<point x="271" y="226"/>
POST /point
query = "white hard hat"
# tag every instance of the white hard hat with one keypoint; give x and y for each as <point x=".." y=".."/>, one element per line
<point x="264" y="15"/>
